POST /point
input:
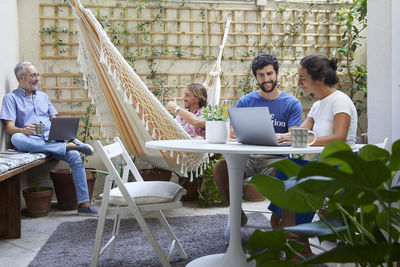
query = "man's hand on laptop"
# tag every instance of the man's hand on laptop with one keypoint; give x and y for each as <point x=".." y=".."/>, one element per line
<point x="283" y="138"/>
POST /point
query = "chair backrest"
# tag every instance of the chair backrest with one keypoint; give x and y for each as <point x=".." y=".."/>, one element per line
<point x="114" y="150"/>
<point x="385" y="144"/>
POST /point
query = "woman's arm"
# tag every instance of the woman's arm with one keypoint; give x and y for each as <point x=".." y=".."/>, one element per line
<point x="187" y="116"/>
<point x="341" y="124"/>
<point x="192" y="119"/>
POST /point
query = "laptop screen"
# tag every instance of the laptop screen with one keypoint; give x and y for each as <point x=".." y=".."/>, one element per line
<point x="63" y="129"/>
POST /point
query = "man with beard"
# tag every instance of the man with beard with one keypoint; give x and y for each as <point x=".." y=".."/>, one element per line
<point x="25" y="107"/>
<point x="195" y="98"/>
<point x="286" y="113"/>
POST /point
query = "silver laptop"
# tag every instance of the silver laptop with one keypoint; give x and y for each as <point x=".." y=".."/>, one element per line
<point x="253" y="126"/>
<point x="63" y="129"/>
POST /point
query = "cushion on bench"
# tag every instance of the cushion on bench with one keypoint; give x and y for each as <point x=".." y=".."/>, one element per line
<point x="11" y="159"/>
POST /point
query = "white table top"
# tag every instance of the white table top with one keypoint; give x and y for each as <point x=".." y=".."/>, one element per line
<point x="201" y="146"/>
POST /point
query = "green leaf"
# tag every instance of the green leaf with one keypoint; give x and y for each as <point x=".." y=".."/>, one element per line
<point x="287" y="166"/>
<point x="319" y="228"/>
<point x="389" y="196"/>
<point x="294" y="199"/>
<point x="332" y="148"/>
<point x="260" y="239"/>
<point x="396" y="156"/>
<point x="372" y="152"/>
<point x="266" y="257"/>
<point x="370" y="253"/>
<point x="382" y="220"/>
<point x="297" y="246"/>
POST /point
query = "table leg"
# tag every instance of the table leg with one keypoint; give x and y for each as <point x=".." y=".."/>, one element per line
<point x="234" y="256"/>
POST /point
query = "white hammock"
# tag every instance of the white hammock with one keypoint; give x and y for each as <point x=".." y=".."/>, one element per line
<point x="121" y="96"/>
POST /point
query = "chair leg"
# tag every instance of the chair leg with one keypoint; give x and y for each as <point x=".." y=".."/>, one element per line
<point x="153" y="242"/>
<point x="117" y="223"/>
<point x="100" y="224"/>
<point x="99" y="235"/>
<point x="167" y="228"/>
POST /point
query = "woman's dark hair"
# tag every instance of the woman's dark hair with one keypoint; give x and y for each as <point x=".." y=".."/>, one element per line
<point x="199" y="91"/>
<point x="263" y="60"/>
<point x="319" y="66"/>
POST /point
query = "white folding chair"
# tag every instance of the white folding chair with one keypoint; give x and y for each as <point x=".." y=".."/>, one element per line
<point x="133" y="198"/>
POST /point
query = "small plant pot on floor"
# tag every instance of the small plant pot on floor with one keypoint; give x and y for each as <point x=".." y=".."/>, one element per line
<point x="38" y="202"/>
<point x="65" y="188"/>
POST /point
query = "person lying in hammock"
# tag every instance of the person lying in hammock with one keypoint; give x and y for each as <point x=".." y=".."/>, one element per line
<point x="190" y="118"/>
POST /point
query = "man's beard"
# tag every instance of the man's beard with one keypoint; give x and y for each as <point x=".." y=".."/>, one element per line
<point x="265" y="90"/>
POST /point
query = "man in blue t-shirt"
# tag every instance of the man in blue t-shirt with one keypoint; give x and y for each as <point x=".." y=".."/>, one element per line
<point x="285" y="110"/>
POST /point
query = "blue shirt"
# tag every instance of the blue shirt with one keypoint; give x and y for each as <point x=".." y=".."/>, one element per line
<point x="23" y="110"/>
<point x="286" y="110"/>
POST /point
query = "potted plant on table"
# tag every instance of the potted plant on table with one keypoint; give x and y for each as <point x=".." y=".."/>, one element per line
<point x="217" y="124"/>
<point x="363" y="194"/>
<point x="62" y="177"/>
<point x="37" y="199"/>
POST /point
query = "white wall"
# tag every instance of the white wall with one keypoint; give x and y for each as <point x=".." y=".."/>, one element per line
<point x="9" y="50"/>
<point x="383" y="56"/>
<point x="395" y="70"/>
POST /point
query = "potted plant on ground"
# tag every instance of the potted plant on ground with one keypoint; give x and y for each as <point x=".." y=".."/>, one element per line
<point x="217" y="124"/>
<point x="62" y="177"/>
<point x="363" y="194"/>
<point x="37" y="199"/>
<point x="156" y="174"/>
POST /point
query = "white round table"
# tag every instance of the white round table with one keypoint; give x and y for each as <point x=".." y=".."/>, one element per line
<point x="236" y="155"/>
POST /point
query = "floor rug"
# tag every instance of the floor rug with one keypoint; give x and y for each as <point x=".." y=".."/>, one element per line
<point x="72" y="242"/>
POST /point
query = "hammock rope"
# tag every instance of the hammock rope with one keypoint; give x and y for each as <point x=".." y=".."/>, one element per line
<point x="122" y="99"/>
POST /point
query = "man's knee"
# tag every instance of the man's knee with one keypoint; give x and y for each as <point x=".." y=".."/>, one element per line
<point x="17" y="139"/>
<point x="74" y="157"/>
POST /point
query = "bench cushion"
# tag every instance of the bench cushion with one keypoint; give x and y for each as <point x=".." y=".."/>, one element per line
<point x="11" y="159"/>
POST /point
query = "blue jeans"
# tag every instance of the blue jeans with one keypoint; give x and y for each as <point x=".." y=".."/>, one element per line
<point x="58" y="151"/>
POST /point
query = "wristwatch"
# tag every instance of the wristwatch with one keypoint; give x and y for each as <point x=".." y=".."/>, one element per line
<point x="177" y="108"/>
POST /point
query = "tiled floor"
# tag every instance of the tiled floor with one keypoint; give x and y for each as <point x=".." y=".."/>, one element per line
<point x="36" y="231"/>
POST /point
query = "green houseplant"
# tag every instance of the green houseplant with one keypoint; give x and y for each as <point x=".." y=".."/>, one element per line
<point x="362" y="196"/>
<point x="217" y="125"/>
<point x="62" y="177"/>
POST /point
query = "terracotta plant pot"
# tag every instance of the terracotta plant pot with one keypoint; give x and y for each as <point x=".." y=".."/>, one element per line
<point x="65" y="188"/>
<point x="38" y="203"/>
<point x="250" y="193"/>
<point x="155" y="174"/>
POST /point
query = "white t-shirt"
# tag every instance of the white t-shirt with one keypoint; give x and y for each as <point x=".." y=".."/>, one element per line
<point x="323" y="113"/>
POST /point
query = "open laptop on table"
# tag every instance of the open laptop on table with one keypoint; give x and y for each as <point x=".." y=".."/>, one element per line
<point x="63" y="129"/>
<point x="253" y="126"/>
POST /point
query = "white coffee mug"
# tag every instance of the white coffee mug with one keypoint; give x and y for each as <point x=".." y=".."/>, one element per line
<point x="299" y="137"/>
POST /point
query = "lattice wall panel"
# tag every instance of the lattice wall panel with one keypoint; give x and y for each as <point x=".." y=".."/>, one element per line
<point x="195" y="33"/>
<point x="67" y="93"/>
<point x="172" y="46"/>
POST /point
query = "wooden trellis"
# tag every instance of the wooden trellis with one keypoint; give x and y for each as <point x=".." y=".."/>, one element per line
<point x="174" y="36"/>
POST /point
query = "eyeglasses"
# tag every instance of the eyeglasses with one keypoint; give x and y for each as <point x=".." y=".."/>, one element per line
<point x="35" y="75"/>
